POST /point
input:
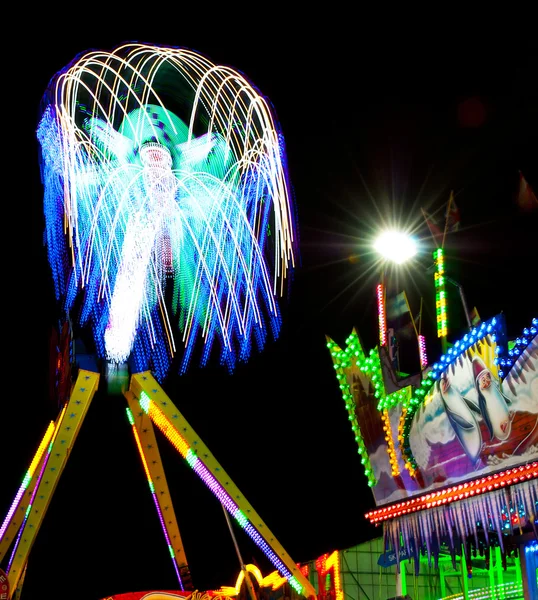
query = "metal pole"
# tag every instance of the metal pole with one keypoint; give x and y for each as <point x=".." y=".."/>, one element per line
<point x="250" y="587"/>
<point x="463" y="302"/>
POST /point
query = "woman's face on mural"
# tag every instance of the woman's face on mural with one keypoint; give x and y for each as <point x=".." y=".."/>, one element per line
<point x="484" y="381"/>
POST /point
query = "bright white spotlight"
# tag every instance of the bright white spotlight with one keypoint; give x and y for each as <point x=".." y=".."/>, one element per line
<point x="396" y="246"/>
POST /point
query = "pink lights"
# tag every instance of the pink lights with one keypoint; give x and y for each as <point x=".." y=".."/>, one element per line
<point x="422" y="351"/>
<point x="382" y="316"/>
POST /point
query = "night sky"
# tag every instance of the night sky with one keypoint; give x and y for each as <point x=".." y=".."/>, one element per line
<point x="376" y="128"/>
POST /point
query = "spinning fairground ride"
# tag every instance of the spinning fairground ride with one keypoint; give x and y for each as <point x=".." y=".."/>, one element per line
<point x="451" y="453"/>
<point x="167" y="208"/>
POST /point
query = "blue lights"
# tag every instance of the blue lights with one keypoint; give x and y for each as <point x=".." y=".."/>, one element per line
<point x="494" y="328"/>
<point x="505" y="358"/>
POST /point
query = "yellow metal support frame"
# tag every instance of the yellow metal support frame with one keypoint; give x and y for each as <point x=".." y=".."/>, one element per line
<point x="148" y="404"/>
<point x="50" y="470"/>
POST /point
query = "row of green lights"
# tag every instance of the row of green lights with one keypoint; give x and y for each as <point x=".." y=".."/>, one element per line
<point x="440" y="295"/>
<point x="343" y="359"/>
<point x="392" y="400"/>
<point x="501" y="590"/>
<point x="412" y="405"/>
<point x="371" y="366"/>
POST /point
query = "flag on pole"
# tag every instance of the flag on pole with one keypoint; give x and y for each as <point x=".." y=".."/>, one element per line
<point x="451" y="224"/>
<point x="452" y="215"/>
<point x="434" y="227"/>
<point x="474" y="317"/>
<point x="409" y="329"/>
<point x="397" y="306"/>
<point x="393" y="349"/>
<point x="526" y="198"/>
<point x="399" y="313"/>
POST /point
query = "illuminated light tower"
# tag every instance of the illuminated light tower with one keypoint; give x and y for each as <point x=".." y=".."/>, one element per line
<point x="440" y="297"/>
<point x="396" y="247"/>
<point x="169" y="226"/>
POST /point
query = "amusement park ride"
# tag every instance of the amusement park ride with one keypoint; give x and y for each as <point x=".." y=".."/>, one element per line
<point x="168" y="208"/>
<point x="165" y="185"/>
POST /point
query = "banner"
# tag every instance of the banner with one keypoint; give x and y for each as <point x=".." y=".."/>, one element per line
<point x="452" y="216"/>
<point x="4" y="586"/>
<point x="397" y="306"/>
<point x="471" y="423"/>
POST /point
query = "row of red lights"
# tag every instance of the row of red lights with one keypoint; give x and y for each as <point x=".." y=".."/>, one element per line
<point x="459" y="492"/>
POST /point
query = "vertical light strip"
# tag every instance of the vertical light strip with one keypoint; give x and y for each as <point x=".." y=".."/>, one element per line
<point x="440" y="293"/>
<point x="325" y="565"/>
<point x="333" y="563"/>
<point x="28" y="477"/>
<point x="381" y="313"/>
<point x="422" y="351"/>
<point x="152" y="489"/>
<point x="342" y="361"/>
<point x="391" y="451"/>
<point x="198" y="466"/>
<point x="40" y="476"/>
<point x="531" y="563"/>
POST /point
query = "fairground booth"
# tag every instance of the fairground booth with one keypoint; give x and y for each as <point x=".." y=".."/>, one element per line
<point x="451" y="454"/>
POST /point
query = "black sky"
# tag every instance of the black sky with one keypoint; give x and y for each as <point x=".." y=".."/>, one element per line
<point x="376" y="127"/>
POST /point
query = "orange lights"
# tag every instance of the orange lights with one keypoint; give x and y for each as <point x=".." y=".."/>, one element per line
<point x="326" y="564"/>
<point x="276" y="581"/>
<point x="391" y="451"/>
<point x="401" y="428"/>
<point x="169" y="431"/>
<point x="455" y="493"/>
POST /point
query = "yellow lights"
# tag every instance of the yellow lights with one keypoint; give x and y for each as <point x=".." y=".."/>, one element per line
<point x="141" y="452"/>
<point x="330" y="565"/>
<point x="169" y="431"/>
<point x="440" y="293"/>
<point x="391" y="450"/>
<point x="251" y="570"/>
<point x="273" y="580"/>
<point x="42" y="447"/>
<point x="327" y="568"/>
<point x="401" y="425"/>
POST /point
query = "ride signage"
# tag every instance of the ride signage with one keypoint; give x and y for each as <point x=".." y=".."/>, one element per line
<point x="4" y="586"/>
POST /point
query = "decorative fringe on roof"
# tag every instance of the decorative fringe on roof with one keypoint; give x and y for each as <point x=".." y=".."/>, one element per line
<point x="483" y="520"/>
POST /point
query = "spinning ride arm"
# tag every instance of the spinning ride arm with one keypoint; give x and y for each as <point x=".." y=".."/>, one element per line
<point x="21" y="536"/>
<point x="165" y="415"/>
